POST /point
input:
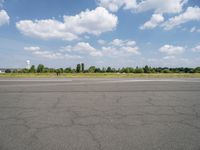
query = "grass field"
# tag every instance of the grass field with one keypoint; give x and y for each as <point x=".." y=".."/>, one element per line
<point x="99" y="75"/>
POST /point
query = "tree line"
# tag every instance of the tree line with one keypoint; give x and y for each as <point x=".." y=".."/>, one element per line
<point x="80" y="68"/>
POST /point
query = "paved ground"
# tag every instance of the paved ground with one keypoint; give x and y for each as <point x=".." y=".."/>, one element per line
<point x="99" y="114"/>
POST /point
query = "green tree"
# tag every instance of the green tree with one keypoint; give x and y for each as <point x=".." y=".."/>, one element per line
<point x="25" y="70"/>
<point x="147" y="69"/>
<point x="109" y="69"/>
<point x="7" y="71"/>
<point x="78" y="68"/>
<point x="68" y="70"/>
<point x="97" y="70"/>
<point x="82" y="67"/>
<point x="197" y="70"/>
<point x="103" y="70"/>
<point x="32" y="69"/>
<point x="40" y="68"/>
<point x="139" y="70"/>
<point x="166" y="71"/>
<point x="92" y="69"/>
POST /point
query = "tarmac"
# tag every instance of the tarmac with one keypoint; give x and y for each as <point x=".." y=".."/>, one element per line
<point x="99" y="114"/>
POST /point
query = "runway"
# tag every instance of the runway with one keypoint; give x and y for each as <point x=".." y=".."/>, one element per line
<point x="99" y="114"/>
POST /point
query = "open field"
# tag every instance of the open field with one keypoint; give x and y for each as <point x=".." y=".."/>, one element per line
<point x="99" y="114"/>
<point x="100" y="75"/>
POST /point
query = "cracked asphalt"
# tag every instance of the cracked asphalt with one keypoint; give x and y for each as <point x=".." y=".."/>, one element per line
<point x="99" y="114"/>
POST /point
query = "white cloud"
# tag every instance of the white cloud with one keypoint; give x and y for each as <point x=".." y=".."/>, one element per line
<point x="32" y="48"/>
<point x="102" y="42"/>
<point x="67" y="48"/>
<point x="196" y="49"/>
<point x="191" y="14"/>
<point x="169" y="57"/>
<point x="194" y="29"/>
<point x="82" y="48"/>
<point x="155" y="20"/>
<point x="88" y="22"/>
<point x="172" y="50"/>
<point x="96" y="54"/>
<point x="161" y="6"/>
<point x="158" y="6"/>
<point x="114" y="5"/>
<point x="119" y="42"/>
<point x="118" y="47"/>
<point x="49" y="54"/>
<point x="4" y="18"/>
<point x="133" y="50"/>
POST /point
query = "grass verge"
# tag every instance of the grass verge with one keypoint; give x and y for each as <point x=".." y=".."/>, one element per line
<point x="100" y="75"/>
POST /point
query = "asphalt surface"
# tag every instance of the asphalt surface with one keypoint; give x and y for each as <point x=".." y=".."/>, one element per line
<point x="99" y="114"/>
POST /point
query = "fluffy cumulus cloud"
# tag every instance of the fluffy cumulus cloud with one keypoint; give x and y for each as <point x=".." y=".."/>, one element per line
<point x="158" y="6"/>
<point x="4" y="18"/>
<point x="114" y="5"/>
<point x="191" y="14"/>
<point x="196" y="49"/>
<point x="161" y="6"/>
<point x="92" y="22"/>
<point x="118" y="47"/>
<point x="82" y="48"/>
<point x="49" y="54"/>
<point x="172" y="50"/>
<point x="155" y="20"/>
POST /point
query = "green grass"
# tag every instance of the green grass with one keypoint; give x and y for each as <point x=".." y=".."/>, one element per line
<point x="100" y="75"/>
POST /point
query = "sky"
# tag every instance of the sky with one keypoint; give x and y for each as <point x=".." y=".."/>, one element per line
<point x="116" y="33"/>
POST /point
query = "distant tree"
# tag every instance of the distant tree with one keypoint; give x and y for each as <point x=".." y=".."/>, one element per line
<point x="166" y="71"/>
<point x="131" y="70"/>
<point x="73" y="70"/>
<point x="92" y="69"/>
<point x="82" y="67"/>
<point x="153" y="70"/>
<point x="197" y="70"/>
<point x="68" y="70"/>
<point x="103" y="70"/>
<point x="126" y="70"/>
<point x="109" y="69"/>
<point x="7" y="71"/>
<point x="25" y="70"/>
<point x="51" y="70"/>
<point x="113" y="70"/>
<point x="139" y="70"/>
<point x="147" y="69"/>
<point x="78" y="68"/>
<point x="97" y="70"/>
<point x="40" y="68"/>
<point x="58" y="71"/>
<point x="32" y="69"/>
<point x="61" y="70"/>
<point x="46" y="70"/>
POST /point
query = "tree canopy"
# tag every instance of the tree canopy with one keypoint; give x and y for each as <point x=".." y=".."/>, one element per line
<point x="93" y="69"/>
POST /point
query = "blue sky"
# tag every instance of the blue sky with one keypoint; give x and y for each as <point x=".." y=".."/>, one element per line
<point x="117" y="33"/>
